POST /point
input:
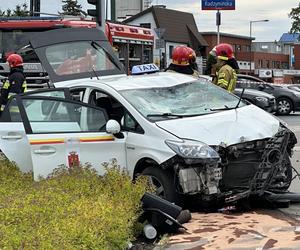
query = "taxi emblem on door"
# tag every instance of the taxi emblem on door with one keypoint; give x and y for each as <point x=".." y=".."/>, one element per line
<point x="73" y="159"/>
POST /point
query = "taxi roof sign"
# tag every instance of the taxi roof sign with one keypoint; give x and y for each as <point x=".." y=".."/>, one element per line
<point x="144" y="69"/>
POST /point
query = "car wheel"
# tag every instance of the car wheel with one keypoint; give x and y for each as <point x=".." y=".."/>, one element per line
<point x="284" y="106"/>
<point x="163" y="182"/>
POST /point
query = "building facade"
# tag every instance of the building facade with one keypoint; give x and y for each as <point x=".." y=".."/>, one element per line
<point x="241" y="46"/>
<point x="172" y="28"/>
<point x="122" y="9"/>
<point x="272" y="61"/>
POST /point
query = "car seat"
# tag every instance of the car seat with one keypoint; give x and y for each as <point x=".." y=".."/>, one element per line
<point x="105" y="103"/>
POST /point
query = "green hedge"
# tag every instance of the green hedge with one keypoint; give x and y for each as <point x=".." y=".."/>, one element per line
<point x="73" y="209"/>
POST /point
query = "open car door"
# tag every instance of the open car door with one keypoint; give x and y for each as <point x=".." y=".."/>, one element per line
<point x="68" y="54"/>
<point x="14" y="142"/>
<point x="63" y="132"/>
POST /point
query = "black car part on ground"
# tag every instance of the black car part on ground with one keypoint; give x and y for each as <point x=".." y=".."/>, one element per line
<point x="163" y="215"/>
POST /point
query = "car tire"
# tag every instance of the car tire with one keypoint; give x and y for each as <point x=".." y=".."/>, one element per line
<point x="163" y="180"/>
<point x="284" y="106"/>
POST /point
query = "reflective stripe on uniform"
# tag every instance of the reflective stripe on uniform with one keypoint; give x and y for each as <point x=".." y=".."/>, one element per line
<point x="11" y="94"/>
<point x="226" y="78"/>
<point x="14" y="109"/>
<point x="222" y="82"/>
<point x="224" y="58"/>
<point x="24" y="85"/>
<point x="6" y="85"/>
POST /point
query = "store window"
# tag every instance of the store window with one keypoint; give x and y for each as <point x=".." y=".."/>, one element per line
<point x="146" y="25"/>
<point x="238" y="47"/>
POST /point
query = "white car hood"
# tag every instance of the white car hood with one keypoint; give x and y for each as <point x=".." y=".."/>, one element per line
<point x="225" y="127"/>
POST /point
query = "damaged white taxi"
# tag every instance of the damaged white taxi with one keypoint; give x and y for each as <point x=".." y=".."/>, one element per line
<point x="187" y="135"/>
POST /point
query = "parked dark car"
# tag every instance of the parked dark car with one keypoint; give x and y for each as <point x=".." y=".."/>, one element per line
<point x="259" y="98"/>
<point x="295" y="87"/>
<point x="287" y="99"/>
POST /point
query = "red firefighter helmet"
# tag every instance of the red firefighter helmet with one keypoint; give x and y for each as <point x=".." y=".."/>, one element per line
<point x="224" y="51"/>
<point x="14" y="60"/>
<point x="192" y="54"/>
<point x="180" y="55"/>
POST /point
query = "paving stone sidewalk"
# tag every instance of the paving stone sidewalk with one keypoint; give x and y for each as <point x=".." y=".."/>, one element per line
<point x="257" y="230"/>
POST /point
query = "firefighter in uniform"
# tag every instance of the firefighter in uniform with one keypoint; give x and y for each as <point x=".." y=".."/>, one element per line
<point x="181" y="57"/>
<point x="16" y="82"/>
<point x="225" y="67"/>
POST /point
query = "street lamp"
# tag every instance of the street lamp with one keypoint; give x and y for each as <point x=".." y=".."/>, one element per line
<point x="255" y="21"/>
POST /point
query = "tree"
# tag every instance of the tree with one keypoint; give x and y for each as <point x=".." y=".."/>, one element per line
<point x="72" y="8"/>
<point x="20" y="10"/>
<point x="295" y="16"/>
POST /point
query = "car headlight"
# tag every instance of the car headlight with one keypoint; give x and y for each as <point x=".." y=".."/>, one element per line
<point x="261" y="99"/>
<point x="193" y="149"/>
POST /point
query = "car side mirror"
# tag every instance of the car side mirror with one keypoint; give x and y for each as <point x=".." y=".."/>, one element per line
<point x="113" y="127"/>
<point x="261" y="87"/>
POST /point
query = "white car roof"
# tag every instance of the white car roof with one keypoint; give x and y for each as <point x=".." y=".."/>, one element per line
<point x="123" y="82"/>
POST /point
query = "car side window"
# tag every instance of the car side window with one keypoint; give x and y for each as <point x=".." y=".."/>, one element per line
<point x="14" y="112"/>
<point x="77" y="94"/>
<point x="60" y="116"/>
<point x="130" y="124"/>
<point x="114" y="109"/>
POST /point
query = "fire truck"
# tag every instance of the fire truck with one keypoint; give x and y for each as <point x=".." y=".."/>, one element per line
<point x="133" y="45"/>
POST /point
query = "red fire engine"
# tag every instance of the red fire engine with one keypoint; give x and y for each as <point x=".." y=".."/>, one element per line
<point x="133" y="45"/>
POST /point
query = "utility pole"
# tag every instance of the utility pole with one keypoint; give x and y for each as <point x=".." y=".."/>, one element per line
<point x="35" y="7"/>
<point x="250" y="33"/>
<point x="99" y="12"/>
<point x="218" y="23"/>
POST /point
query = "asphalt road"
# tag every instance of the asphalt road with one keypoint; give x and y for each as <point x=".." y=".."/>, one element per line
<point x="293" y="121"/>
<point x="253" y="229"/>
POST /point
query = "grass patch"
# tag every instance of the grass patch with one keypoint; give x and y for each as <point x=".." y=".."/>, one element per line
<point x="72" y="209"/>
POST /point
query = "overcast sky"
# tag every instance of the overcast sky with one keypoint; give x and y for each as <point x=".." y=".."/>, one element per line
<point x="235" y="22"/>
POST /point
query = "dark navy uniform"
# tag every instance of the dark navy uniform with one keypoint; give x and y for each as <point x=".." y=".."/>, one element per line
<point x="15" y="84"/>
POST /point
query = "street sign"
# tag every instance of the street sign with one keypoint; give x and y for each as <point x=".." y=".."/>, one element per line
<point x="159" y="43"/>
<point x="160" y="32"/>
<point x="218" y="4"/>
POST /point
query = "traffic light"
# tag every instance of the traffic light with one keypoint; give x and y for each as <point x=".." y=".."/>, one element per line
<point x="95" y="12"/>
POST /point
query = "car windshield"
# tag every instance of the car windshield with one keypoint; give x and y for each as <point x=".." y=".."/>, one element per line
<point x="195" y="98"/>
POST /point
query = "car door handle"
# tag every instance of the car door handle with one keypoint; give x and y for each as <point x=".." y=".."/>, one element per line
<point x="44" y="151"/>
<point x="11" y="137"/>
